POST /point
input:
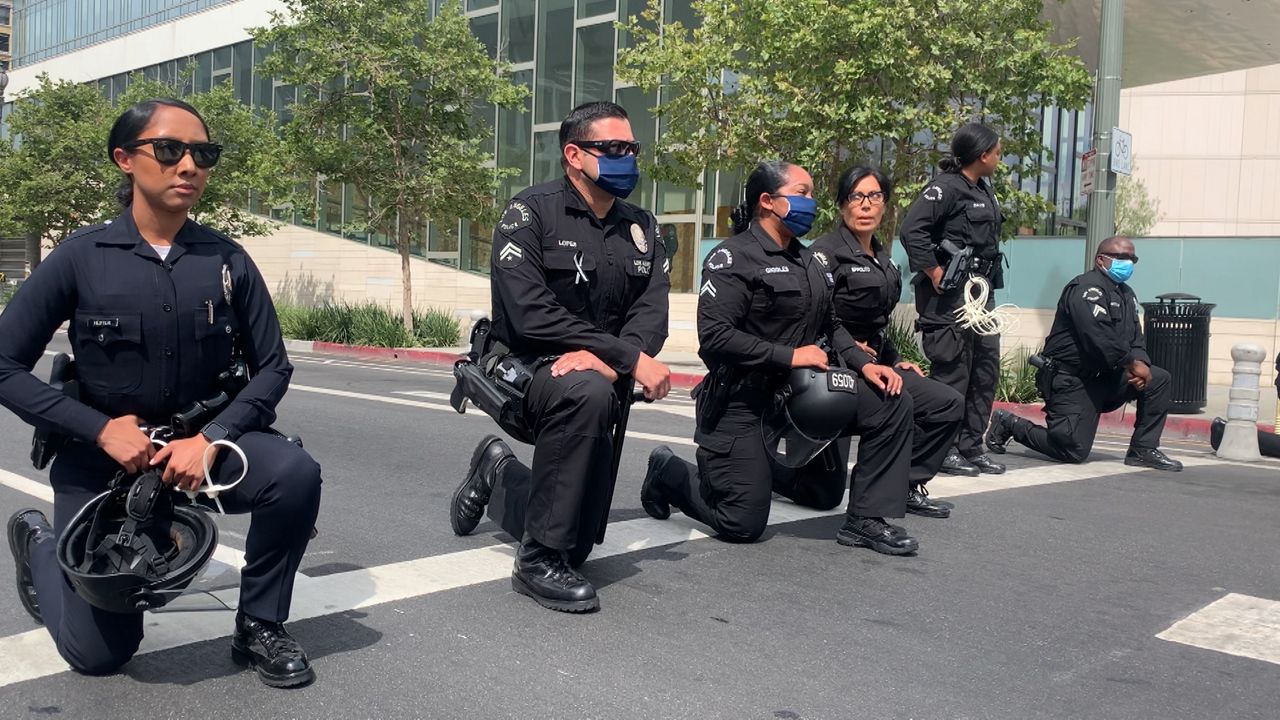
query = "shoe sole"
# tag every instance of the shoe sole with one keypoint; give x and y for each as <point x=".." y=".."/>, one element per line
<point x="993" y="472"/>
<point x="942" y="514"/>
<point x="457" y="494"/>
<point x="657" y="512"/>
<point x="997" y="449"/>
<point x="882" y="548"/>
<point x="564" y="606"/>
<point x="1139" y="463"/>
<point x="247" y="659"/>
<point x="21" y="581"/>
<point x="960" y="473"/>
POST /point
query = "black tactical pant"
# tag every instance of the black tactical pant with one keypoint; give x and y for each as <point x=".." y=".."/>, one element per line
<point x="560" y="501"/>
<point x="962" y="359"/>
<point x="731" y="487"/>
<point x="936" y="414"/>
<point x="282" y="491"/>
<point x="1072" y="407"/>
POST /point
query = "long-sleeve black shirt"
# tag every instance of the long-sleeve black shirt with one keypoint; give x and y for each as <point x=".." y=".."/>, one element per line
<point x="867" y="288"/>
<point x="1097" y="328"/>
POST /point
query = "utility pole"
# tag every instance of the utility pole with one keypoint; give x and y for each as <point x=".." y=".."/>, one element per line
<point x="1106" y="115"/>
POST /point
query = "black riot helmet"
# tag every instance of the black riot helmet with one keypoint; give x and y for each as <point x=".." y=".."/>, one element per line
<point x="808" y="413"/>
<point x="132" y="548"/>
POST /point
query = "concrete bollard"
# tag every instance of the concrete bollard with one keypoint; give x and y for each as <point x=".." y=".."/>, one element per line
<point x="1240" y="437"/>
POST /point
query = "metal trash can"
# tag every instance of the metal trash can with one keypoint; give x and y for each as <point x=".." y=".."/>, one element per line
<point x="1177" y="330"/>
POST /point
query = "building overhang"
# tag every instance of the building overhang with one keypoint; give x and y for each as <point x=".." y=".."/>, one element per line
<point x="1168" y="40"/>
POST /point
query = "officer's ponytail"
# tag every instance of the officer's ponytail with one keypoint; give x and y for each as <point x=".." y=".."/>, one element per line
<point x="970" y="143"/>
<point x="129" y="126"/>
<point x="766" y="179"/>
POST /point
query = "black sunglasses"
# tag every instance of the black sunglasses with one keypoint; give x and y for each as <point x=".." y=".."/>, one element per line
<point x="610" y="147"/>
<point x="1131" y="258"/>
<point x="169" y="152"/>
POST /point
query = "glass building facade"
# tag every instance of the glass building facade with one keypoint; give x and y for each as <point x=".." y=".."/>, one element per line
<point x="48" y="28"/>
<point x="6" y="34"/>
<point x="564" y="52"/>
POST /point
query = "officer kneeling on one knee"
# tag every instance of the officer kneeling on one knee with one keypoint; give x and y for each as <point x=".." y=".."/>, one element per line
<point x="763" y="304"/>
<point x="868" y="284"/>
<point x="1094" y="361"/>
<point x="580" y="292"/>
<point x="157" y="305"/>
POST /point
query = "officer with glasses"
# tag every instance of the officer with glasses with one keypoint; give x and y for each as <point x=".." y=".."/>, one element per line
<point x="1094" y="361"/>
<point x="158" y="307"/>
<point x="580" y="285"/>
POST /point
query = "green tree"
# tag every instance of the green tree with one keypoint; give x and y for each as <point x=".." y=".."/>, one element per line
<point x="1136" y="211"/>
<point x="387" y="96"/>
<point x="254" y="157"/>
<point x="55" y="176"/>
<point x="826" y="84"/>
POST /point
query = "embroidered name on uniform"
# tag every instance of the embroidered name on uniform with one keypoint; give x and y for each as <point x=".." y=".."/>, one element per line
<point x="568" y="243"/>
<point x="859" y="269"/>
<point x="772" y="270"/>
<point x="104" y="322"/>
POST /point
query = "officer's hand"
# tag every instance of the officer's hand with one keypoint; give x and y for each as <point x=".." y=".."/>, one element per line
<point x="185" y="462"/>
<point x="910" y="367"/>
<point x="126" y="444"/>
<point x="582" y="360"/>
<point x="867" y="349"/>
<point x="935" y="274"/>
<point x="1139" y="374"/>
<point x="809" y="356"/>
<point x="653" y="376"/>
<point x="883" y="377"/>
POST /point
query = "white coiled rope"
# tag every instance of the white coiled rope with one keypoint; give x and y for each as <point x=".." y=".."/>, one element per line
<point x="209" y="489"/>
<point x="974" y="315"/>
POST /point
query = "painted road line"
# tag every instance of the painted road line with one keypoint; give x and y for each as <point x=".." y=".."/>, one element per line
<point x="1235" y="624"/>
<point x="32" y="654"/>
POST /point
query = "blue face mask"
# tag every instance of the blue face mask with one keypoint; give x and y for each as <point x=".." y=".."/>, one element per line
<point x="800" y="215"/>
<point x="1120" y="270"/>
<point x="619" y="174"/>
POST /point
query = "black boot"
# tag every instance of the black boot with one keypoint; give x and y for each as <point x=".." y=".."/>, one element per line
<point x="652" y="498"/>
<point x="1000" y="432"/>
<point x="543" y="574"/>
<point x="1152" y="458"/>
<point x="955" y="464"/>
<point x="875" y="533"/>
<point x="25" y="527"/>
<point x="918" y="503"/>
<point x="986" y="465"/>
<point x="268" y="648"/>
<point x="471" y="497"/>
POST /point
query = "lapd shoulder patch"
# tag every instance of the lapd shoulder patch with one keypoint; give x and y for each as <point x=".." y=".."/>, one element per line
<point x="510" y="255"/>
<point x="933" y="193"/>
<point x="516" y="216"/>
<point x="719" y="259"/>
<point x="822" y="258"/>
<point x="1092" y="294"/>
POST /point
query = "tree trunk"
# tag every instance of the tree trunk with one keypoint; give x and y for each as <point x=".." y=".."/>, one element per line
<point x="33" y="252"/>
<point x="406" y="274"/>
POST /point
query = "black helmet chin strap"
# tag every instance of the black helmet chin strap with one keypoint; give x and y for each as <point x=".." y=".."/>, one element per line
<point x="125" y="550"/>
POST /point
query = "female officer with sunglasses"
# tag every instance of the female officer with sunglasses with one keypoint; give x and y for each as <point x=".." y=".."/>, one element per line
<point x="867" y="286"/>
<point x="158" y="305"/>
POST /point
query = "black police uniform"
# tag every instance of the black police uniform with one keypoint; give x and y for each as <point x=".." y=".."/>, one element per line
<point x="150" y="337"/>
<point x="867" y="288"/>
<point x="565" y="280"/>
<point x="1096" y="334"/>
<point x="966" y="213"/>
<point x="757" y="303"/>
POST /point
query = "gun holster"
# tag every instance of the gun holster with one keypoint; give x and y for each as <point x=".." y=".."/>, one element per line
<point x="711" y="397"/>
<point x="495" y="381"/>
<point x="959" y="264"/>
<point x="45" y="444"/>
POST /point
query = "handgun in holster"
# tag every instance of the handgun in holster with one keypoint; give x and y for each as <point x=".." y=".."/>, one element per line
<point x="959" y="263"/>
<point x="45" y="444"/>
<point x="494" y="380"/>
<point x="711" y="397"/>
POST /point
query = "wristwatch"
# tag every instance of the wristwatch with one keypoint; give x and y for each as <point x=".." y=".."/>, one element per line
<point x="214" y="432"/>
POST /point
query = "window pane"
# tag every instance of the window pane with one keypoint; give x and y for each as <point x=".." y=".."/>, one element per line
<point x="546" y="156"/>
<point x="478" y="244"/>
<point x="589" y="8"/>
<point x="444" y="236"/>
<point x="595" y="63"/>
<point x="222" y="59"/>
<point x="637" y="104"/>
<point x="480" y="4"/>
<point x="517" y="30"/>
<point x="243" y="73"/>
<point x="629" y="9"/>
<point x="555" y="60"/>
<point x="485" y="28"/>
<point x="515" y="133"/>
<point x="203" y="70"/>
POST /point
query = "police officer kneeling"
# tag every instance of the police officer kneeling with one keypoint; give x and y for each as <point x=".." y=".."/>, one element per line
<point x="763" y="305"/>
<point x="157" y="304"/>
<point x="1094" y="361"/>
<point x="580" y="287"/>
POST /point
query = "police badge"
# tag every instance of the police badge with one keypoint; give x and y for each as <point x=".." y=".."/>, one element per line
<point x="637" y="237"/>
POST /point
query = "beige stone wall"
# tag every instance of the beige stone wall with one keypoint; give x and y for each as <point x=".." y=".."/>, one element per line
<point x="1209" y="149"/>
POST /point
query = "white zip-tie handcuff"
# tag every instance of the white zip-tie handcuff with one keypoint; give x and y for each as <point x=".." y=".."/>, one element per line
<point x="209" y="489"/>
<point x="974" y="315"/>
<point x="582" y="275"/>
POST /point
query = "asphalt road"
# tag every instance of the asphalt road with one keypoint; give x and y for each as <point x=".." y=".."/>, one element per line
<point x="1040" y="598"/>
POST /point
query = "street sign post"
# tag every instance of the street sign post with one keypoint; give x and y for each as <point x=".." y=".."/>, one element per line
<point x="1087" y="163"/>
